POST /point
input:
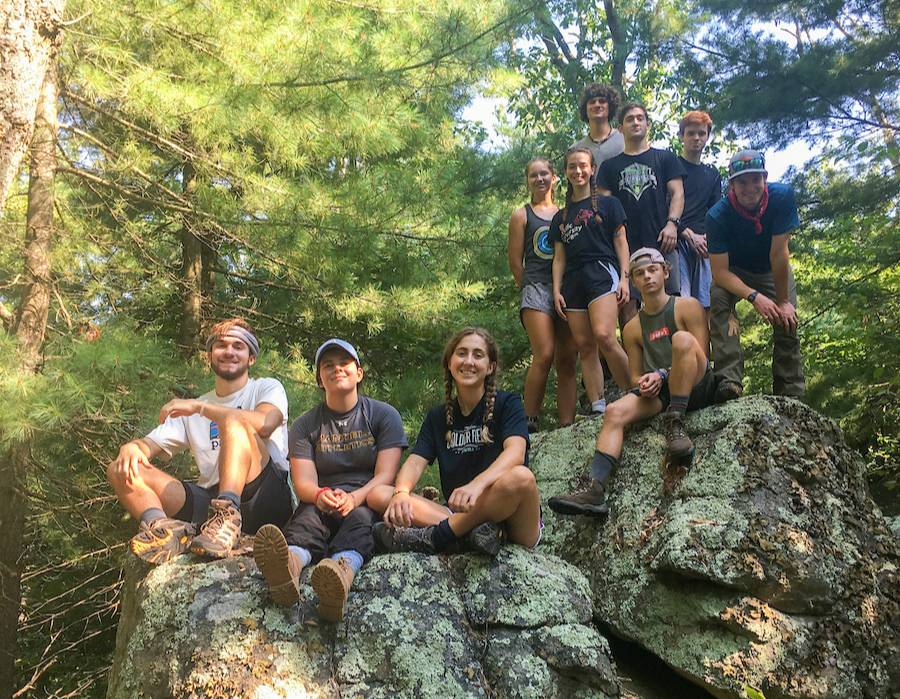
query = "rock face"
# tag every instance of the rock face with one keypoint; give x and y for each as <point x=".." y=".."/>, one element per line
<point x="416" y="626"/>
<point x="767" y="566"/>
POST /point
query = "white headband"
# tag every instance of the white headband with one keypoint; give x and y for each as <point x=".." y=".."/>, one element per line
<point x="239" y="333"/>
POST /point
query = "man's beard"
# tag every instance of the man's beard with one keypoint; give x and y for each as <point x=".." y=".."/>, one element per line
<point x="230" y="374"/>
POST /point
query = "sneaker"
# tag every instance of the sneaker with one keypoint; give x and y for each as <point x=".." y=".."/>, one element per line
<point x="728" y="390"/>
<point x="533" y="422"/>
<point x="221" y="532"/>
<point x="397" y="539"/>
<point x="161" y="540"/>
<point x="331" y="579"/>
<point x="486" y="538"/>
<point x="279" y="566"/>
<point x="591" y="502"/>
<point x="678" y="443"/>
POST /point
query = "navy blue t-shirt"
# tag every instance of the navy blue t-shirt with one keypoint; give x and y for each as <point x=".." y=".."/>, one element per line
<point x="584" y="239"/>
<point x="640" y="183"/>
<point x="702" y="190"/>
<point x="467" y="455"/>
<point x="729" y="232"/>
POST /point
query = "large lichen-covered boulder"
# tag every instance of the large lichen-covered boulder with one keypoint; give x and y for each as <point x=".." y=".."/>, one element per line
<point x="416" y="626"/>
<point x="765" y="567"/>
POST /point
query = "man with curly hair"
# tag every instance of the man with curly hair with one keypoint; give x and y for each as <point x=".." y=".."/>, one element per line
<point x="598" y="104"/>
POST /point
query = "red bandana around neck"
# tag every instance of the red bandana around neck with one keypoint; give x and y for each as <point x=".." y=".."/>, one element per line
<point x="746" y="213"/>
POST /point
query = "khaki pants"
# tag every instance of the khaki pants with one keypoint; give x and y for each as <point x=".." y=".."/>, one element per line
<point x="787" y="363"/>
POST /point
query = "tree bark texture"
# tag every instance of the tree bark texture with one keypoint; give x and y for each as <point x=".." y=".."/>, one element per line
<point x="191" y="275"/>
<point x="28" y="36"/>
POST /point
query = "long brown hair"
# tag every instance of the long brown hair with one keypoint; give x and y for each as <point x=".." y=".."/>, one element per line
<point x="490" y="381"/>
<point x="595" y="193"/>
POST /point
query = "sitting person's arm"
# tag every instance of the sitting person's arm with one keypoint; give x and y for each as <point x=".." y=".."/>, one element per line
<point x="386" y="464"/>
<point x="133" y="455"/>
<point x="463" y="498"/>
<point x="399" y="509"/>
<point x="264" y="419"/>
<point x="306" y="485"/>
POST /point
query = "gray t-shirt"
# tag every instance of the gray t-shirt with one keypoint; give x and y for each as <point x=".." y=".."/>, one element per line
<point x="344" y="446"/>
<point x="608" y="148"/>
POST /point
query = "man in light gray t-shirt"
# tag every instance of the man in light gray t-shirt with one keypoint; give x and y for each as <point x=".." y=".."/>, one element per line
<point x="598" y="104"/>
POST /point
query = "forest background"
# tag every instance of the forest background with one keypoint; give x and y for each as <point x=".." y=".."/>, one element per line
<point x="305" y="164"/>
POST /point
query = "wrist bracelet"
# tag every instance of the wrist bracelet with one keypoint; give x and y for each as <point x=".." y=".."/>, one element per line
<point x="400" y="492"/>
<point x="202" y="405"/>
<point x="318" y="493"/>
<point x="663" y="374"/>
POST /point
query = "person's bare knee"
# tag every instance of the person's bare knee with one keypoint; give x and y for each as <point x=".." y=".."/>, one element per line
<point x="517" y="480"/>
<point x="616" y="414"/>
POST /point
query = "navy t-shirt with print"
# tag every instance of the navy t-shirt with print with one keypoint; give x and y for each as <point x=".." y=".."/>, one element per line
<point x="344" y="446"/>
<point x="702" y="190"/>
<point x="467" y="456"/>
<point x="584" y="239"/>
<point x="729" y="232"/>
<point x="639" y="182"/>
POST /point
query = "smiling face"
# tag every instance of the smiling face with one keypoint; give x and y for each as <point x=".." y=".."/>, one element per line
<point x="540" y="178"/>
<point x="579" y="168"/>
<point x="230" y="358"/>
<point x="470" y="362"/>
<point x="650" y="278"/>
<point x="338" y="371"/>
<point x="597" y="109"/>
<point x="748" y="189"/>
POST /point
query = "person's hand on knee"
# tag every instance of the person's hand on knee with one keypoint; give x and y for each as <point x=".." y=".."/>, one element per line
<point x="463" y="498"/>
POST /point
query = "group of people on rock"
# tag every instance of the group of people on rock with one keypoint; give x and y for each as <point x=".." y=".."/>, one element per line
<point x="643" y="241"/>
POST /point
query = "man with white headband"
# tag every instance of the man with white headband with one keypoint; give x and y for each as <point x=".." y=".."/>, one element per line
<point x="237" y="434"/>
<point x="668" y="352"/>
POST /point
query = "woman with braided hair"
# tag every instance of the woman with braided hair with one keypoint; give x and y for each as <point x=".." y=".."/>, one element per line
<point x="480" y="441"/>
<point x="590" y="252"/>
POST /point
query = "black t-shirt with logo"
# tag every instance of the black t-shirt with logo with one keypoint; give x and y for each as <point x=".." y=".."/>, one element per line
<point x="639" y="182"/>
<point x="702" y="190"/>
<point x="584" y="239"/>
<point x="467" y="456"/>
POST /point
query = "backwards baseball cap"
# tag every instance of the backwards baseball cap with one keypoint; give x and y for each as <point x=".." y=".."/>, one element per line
<point x="745" y="161"/>
<point x="335" y="342"/>
<point x="645" y="256"/>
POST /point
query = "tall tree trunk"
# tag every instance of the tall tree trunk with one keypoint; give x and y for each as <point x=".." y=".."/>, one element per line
<point x="31" y="322"/>
<point x="28" y="32"/>
<point x="191" y="275"/>
<point x="620" y="47"/>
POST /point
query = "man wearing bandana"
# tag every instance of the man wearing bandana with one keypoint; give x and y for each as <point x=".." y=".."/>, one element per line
<point x="748" y="235"/>
<point x="237" y="434"/>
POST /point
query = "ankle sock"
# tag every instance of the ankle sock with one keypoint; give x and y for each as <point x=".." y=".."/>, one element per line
<point x="678" y="404"/>
<point x="602" y="466"/>
<point x="151" y="514"/>
<point x="599" y="406"/>
<point x="442" y="536"/>
<point x="354" y="558"/>
<point x="303" y="554"/>
<point x="233" y="498"/>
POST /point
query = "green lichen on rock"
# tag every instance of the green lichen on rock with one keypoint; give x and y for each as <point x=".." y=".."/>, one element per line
<point x="766" y="564"/>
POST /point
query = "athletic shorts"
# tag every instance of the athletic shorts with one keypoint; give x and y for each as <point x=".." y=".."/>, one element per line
<point x="537" y="297"/>
<point x="702" y="395"/>
<point x="581" y="287"/>
<point x="265" y="500"/>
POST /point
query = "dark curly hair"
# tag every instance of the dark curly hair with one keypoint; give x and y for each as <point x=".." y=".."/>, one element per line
<point x="607" y="92"/>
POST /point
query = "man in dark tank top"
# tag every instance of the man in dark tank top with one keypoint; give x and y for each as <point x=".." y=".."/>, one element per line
<point x="668" y="354"/>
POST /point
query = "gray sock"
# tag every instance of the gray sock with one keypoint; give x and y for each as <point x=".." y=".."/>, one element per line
<point x="151" y="514"/>
<point x="234" y="498"/>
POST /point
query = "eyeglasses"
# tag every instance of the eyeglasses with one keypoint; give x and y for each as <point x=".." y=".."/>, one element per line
<point x="747" y="163"/>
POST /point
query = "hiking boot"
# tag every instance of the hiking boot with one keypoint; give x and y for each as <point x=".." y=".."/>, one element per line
<point x="678" y="443"/>
<point x="485" y="538"/>
<point x="728" y="390"/>
<point x="161" y="540"/>
<point x="220" y="532"/>
<point x="397" y="539"/>
<point x="331" y="579"/>
<point x="590" y="502"/>
<point x="279" y="566"/>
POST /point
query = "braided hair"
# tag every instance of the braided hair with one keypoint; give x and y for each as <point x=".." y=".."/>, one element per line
<point x="595" y="192"/>
<point x="490" y="381"/>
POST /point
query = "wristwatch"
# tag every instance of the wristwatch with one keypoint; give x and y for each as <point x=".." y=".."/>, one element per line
<point x="751" y="297"/>
<point x="675" y="220"/>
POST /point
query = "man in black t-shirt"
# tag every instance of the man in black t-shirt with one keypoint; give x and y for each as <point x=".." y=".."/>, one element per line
<point x="339" y="451"/>
<point x="648" y="182"/>
<point x="702" y="189"/>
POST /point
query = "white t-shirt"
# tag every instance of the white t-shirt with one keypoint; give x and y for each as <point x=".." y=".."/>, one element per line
<point x="201" y="435"/>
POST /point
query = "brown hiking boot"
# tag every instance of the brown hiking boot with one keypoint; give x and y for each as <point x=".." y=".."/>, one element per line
<point x="590" y="502"/>
<point x="679" y="444"/>
<point x="220" y="532"/>
<point x="279" y="566"/>
<point x="161" y="540"/>
<point x="728" y="390"/>
<point x="331" y="579"/>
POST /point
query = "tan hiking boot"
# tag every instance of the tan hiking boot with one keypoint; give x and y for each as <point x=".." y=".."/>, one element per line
<point x="590" y="502"/>
<point x="679" y="444"/>
<point x="279" y="566"/>
<point x="331" y="579"/>
<point x="161" y="540"/>
<point x="220" y="532"/>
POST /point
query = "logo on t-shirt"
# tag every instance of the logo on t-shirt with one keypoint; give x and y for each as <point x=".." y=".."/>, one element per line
<point x="345" y="441"/>
<point x="465" y="440"/>
<point x="637" y="179"/>
<point x="541" y="242"/>
<point x="659" y="333"/>
<point x="213" y="435"/>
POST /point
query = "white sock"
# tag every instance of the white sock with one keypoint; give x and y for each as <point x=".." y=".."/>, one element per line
<point x="599" y="406"/>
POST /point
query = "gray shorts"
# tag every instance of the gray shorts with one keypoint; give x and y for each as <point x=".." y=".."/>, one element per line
<point x="537" y="297"/>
